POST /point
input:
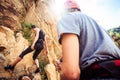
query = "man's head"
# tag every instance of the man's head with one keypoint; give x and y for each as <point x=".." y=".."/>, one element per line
<point x="71" y="4"/>
<point x="33" y="26"/>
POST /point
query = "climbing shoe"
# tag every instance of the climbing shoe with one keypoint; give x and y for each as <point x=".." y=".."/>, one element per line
<point x="9" y="67"/>
<point x="37" y="70"/>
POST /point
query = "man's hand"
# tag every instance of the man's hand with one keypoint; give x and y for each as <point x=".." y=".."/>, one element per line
<point x="57" y="65"/>
<point x="46" y="52"/>
<point x="32" y="47"/>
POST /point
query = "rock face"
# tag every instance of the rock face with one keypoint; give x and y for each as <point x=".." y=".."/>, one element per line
<point x="12" y="42"/>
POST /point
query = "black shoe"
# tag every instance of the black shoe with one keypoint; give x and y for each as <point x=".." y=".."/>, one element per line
<point x="37" y="70"/>
<point x="9" y="67"/>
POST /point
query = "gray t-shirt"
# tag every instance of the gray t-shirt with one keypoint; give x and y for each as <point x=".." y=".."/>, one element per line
<point x="95" y="43"/>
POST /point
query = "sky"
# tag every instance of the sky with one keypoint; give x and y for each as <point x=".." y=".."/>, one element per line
<point x="105" y="12"/>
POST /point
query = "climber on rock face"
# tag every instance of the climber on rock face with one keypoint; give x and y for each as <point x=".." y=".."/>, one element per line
<point x="37" y="46"/>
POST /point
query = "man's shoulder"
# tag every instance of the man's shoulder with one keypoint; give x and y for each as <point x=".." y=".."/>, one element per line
<point x="73" y="15"/>
<point x="42" y="31"/>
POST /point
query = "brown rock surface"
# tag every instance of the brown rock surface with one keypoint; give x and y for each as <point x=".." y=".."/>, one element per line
<point x="12" y="42"/>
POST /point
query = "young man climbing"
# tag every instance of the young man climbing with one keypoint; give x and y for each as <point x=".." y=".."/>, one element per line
<point x="38" y="44"/>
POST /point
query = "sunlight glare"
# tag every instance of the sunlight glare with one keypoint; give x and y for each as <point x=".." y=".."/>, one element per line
<point x="57" y="7"/>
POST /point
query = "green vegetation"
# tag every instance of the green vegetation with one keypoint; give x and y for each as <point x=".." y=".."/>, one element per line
<point x="26" y="31"/>
<point x="42" y="64"/>
<point x="115" y="34"/>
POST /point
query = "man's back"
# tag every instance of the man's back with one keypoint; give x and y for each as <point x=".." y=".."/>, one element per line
<point x="95" y="43"/>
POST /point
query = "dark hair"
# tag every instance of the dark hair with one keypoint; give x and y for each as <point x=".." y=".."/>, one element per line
<point x="73" y="9"/>
<point x="33" y="26"/>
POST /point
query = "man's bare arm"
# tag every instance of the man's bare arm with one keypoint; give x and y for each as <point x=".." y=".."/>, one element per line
<point x="70" y="56"/>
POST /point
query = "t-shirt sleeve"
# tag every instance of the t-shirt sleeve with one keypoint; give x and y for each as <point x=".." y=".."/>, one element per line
<point x="68" y="24"/>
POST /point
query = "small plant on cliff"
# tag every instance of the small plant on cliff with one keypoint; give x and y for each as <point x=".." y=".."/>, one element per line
<point x="26" y="31"/>
<point x="42" y="71"/>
